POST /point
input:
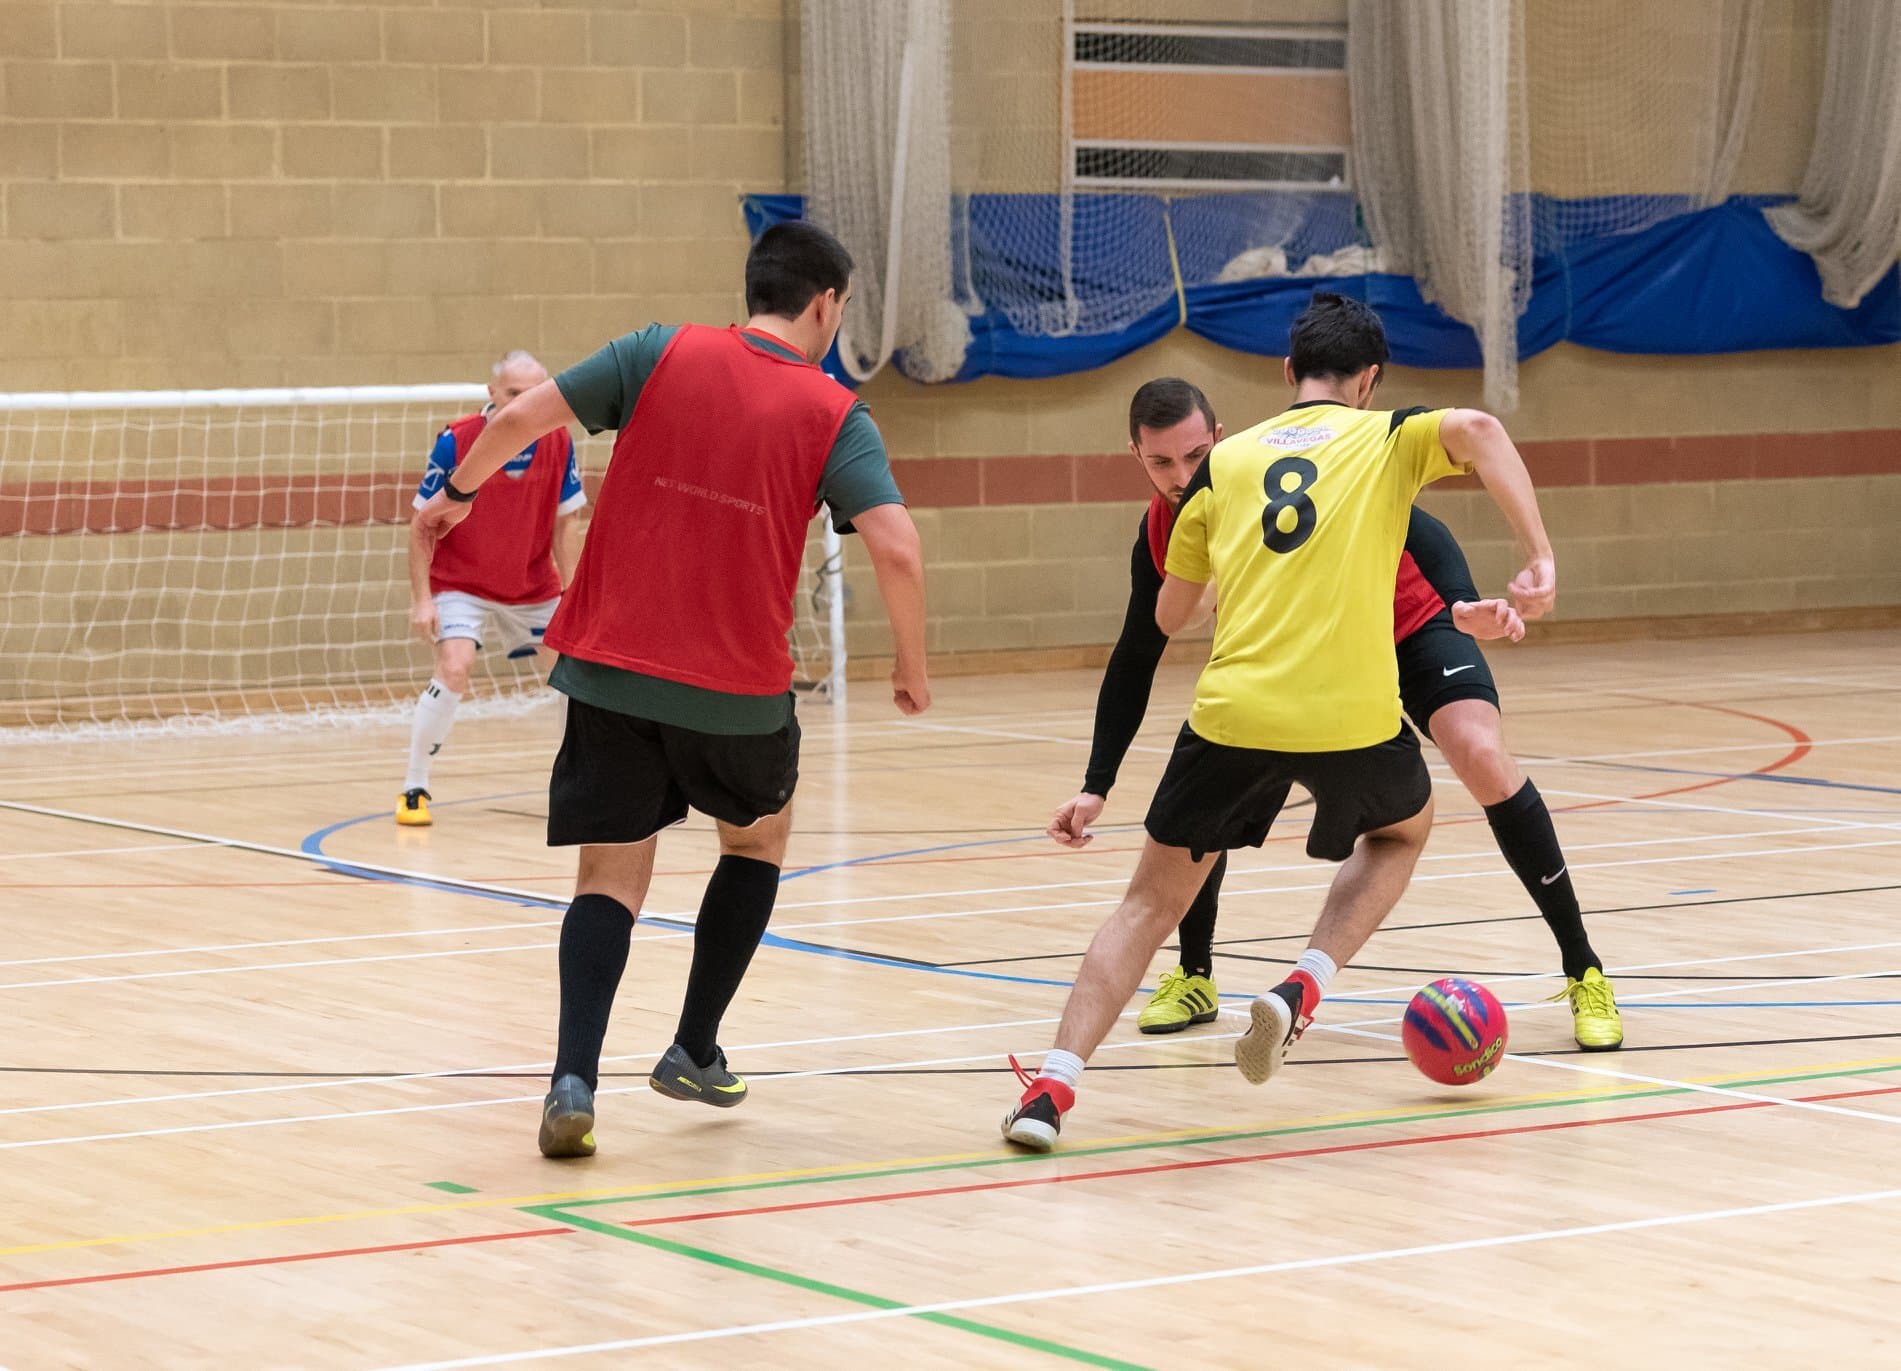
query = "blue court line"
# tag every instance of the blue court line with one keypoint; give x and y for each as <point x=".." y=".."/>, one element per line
<point x="1772" y="777"/>
<point x="313" y="843"/>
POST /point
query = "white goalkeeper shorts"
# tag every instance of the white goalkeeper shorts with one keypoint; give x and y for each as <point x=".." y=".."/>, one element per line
<point x="516" y="629"/>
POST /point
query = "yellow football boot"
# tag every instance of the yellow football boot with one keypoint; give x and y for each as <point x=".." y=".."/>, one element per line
<point x="1180" y="1000"/>
<point x="412" y="809"/>
<point x="1595" y="1022"/>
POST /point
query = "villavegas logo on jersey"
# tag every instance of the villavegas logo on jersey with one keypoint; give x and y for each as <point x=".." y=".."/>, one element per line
<point x="1294" y="438"/>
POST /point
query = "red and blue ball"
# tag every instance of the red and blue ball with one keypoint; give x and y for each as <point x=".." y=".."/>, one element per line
<point x="1454" y="1031"/>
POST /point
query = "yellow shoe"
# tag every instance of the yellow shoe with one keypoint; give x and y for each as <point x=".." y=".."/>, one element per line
<point x="1594" y="1018"/>
<point x="1180" y="1000"/>
<point x="412" y="809"/>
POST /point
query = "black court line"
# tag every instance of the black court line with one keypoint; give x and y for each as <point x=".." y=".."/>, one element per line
<point x="240" y="1074"/>
<point x="1223" y="943"/>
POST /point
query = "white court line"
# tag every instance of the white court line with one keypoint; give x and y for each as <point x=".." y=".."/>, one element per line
<point x="687" y="915"/>
<point x="1572" y="794"/>
<point x="270" y="850"/>
<point x="482" y="1071"/>
<point x="1611" y="1073"/>
<point x="1133" y="1044"/>
<point x="479" y="1071"/>
<point x="1160" y="1282"/>
<point x="285" y="942"/>
<point x="322" y="962"/>
<point x="1228" y="891"/>
<point x="94" y="851"/>
<point x="1730" y="747"/>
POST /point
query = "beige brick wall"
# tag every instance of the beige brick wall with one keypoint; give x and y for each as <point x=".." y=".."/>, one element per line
<point x="268" y="192"/>
<point x="1624" y="551"/>
<point x="276" y="193"/>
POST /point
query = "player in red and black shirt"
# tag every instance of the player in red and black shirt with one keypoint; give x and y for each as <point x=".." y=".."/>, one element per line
<point x="673" y="634"/>
<point x="497" y="581"/>
<point x="1445" y="685"/>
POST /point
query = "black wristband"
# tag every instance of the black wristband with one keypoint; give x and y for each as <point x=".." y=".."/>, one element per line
<point x="461" y="497"/>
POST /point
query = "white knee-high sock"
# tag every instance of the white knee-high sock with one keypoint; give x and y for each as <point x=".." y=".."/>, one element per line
<point x="435" y="716"/>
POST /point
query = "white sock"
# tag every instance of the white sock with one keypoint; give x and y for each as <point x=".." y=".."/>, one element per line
<point x="1062" y="1066"/>
<point x="1318" y="965"/>
<point x="435" y="716"/>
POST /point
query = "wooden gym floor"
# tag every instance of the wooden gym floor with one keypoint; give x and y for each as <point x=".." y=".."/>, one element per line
<point x="265" y="1109"/>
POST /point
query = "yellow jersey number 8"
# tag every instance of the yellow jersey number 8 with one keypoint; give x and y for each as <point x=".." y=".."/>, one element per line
<point x="1281" y="498"/>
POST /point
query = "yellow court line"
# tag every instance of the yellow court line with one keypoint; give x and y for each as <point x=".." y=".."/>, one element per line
<point x="1582" y="1096"/>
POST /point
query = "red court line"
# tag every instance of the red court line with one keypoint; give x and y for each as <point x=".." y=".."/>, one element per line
<point x="1335" y="1150"/>
<point x="1203" y="1163"/>
<point x="1804" y="745"/>
<point x="282" y="1260"/>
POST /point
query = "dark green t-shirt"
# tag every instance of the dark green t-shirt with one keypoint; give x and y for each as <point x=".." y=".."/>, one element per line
<point x="601" y="390"/>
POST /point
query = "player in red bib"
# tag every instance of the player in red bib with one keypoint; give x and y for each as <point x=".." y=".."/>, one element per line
<point x="496" y="582"/>
<point x="673" y="634"/>
<point x="1445" y="686"/>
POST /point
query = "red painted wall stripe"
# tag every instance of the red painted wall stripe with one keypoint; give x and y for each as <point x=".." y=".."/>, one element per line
<point x="317" y="500"/>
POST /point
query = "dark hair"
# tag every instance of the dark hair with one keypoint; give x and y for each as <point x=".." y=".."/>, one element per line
<point x="789" y="264"/>
<point x="1164" y="403"/>
<point x="1336" y="337"/>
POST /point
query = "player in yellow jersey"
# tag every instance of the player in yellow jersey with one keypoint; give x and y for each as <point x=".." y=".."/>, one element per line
<point x="1298" y="523"/>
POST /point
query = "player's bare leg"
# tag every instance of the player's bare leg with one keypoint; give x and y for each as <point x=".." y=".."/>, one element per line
<point x="1165" y="881"/>
<point x="430" y="725"/>
<point x="1472" y="736"/>
<point x="1363" y="893"/>
<point x="732" y="921"/>
<point x="609" y="889"/>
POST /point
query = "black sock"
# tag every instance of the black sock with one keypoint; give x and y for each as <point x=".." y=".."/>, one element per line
<point x="594" y="940"/>
<point x="1197" y="932"/>
<point x="733" y="917"/>
<point x="1523" y="828"/>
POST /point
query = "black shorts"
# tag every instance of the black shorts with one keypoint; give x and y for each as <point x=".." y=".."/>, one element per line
<point x="1437" y="665"/>
<point x="621" y="779"/>
<point x="1213" y="798"/>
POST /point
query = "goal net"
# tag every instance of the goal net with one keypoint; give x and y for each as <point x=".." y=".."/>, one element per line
<point x="213" y="557"/>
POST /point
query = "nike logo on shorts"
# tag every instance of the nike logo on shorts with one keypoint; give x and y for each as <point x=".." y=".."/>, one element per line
<point x="1455" y="670"/>
<point x="1547" y="880"/>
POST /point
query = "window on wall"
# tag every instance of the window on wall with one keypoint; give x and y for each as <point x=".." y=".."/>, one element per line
<point x="1161" y="106"/>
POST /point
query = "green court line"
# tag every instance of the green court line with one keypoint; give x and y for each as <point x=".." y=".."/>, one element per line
<point x="560" y="1213"/>
<point x="452" y="1187"/>
<point x="557" y="1213"/>
<point x="1250" y="1135"/>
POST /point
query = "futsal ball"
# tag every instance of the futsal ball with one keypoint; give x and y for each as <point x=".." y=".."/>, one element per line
<point x="1454" y="1031"/>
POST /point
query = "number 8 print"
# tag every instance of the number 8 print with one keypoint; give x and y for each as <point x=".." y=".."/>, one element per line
<point x="1278" y="499"/>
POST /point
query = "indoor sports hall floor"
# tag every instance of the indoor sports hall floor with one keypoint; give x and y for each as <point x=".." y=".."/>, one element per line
<point x="262" y="1109"/>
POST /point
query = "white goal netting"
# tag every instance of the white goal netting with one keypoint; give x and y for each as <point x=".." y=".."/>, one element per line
<point x="216" y="557"/>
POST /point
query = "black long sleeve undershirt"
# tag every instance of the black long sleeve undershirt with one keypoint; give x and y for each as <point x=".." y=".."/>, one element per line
<point x="1439" y="558"/>
<point x="1130" y="676"/>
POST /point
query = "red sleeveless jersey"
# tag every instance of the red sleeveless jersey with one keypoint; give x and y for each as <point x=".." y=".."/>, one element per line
<point x="504" y="550"/>
<point x="698" y="537"/>
<point x="1414" y="599"/>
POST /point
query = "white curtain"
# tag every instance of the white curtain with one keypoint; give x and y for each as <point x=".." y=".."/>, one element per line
<point x="876" y="90"/>
<point x="1439" y="151"/>
<point x="1848" y="217"/>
